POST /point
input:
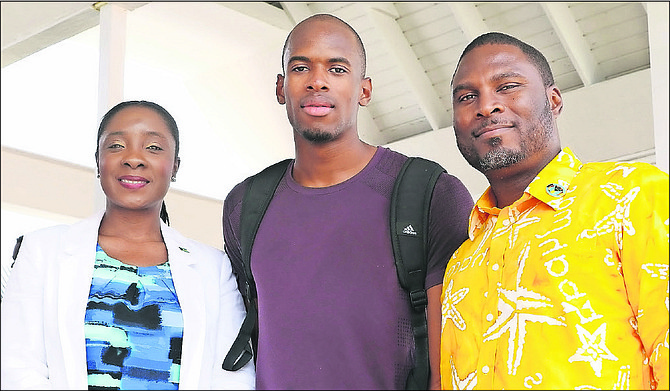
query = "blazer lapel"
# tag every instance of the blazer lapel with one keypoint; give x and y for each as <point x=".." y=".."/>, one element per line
<point x="75" y="272"/>
<point x="192" y="301"/>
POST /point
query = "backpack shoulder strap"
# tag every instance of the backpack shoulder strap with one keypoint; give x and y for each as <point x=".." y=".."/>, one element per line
<point x="17" y="246"/>
<point x="410" y="204"/>
<point x="257" y="197"/>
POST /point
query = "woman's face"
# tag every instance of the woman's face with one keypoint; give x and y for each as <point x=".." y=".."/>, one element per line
<point x="136" y="159"/>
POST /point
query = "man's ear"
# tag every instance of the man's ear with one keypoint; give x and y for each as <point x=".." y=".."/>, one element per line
<point x="555" y="100"/>
<point x="280" y="89"/>
<point x="366" y="92"/>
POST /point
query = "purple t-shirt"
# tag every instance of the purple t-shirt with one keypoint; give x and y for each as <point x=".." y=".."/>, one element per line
<point x="332" y="314"/>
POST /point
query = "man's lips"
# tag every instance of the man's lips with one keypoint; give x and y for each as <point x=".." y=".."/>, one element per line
<point x="317" y="111"/>
<point x="317" y="107"/>
<point x="492" y="129"/>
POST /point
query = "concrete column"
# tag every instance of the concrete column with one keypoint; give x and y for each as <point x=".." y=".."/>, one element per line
<point x="657" y="22"/>
<point x="111" y="68"/>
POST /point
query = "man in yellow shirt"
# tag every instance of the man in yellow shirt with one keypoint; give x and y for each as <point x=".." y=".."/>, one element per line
<point x="563" y="282"/>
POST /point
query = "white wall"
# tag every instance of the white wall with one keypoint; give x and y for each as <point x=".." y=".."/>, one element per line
<point x="659" y="47"/>
<point x="606" y="121"/>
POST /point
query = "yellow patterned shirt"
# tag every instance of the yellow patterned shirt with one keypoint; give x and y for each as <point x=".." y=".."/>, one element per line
<point x="567" y="288"/>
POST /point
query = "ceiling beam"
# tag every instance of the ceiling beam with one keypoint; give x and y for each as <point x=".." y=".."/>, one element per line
<point x="573" y="41"/>
<point x="261" y="11"/>
<point x="385" y="7"/>
<point x="41" y="25"/>
<point x="413" y="72"/>
<point x="38" y="25"/>
<point x="296" y="11"/>
<point x="469" y="20"/>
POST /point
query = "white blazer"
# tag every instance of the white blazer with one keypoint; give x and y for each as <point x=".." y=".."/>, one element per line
<point x="43" y="344"/>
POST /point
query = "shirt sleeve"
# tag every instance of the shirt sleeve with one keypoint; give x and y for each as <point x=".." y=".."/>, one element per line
<point x="644" y="257"/>
<point x="231" y="227"/>
<point x="450" y="209"/>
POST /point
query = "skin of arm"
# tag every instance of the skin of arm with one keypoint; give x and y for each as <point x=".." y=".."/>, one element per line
<point x="434" y="319"/>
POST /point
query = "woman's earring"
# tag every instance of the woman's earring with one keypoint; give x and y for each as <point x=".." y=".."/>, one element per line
<point x="173" y="179"/>
<point x="98" y="176"/>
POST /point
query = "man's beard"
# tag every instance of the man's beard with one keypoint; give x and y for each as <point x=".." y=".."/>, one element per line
<point x="316" y="136"/>
<point x="320" y="135"/>
<point x="502" y="157"/>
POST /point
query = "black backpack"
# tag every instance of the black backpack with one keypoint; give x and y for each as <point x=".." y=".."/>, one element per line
<point x="410" y="204"/>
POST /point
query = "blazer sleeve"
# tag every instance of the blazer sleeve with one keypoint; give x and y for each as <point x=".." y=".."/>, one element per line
<point x="24" y="364"/>
<point x="231" y="316"/>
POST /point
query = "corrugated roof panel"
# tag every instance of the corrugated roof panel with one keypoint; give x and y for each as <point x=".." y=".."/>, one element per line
<point x="420" y="16"/>
<point x="568" y="81"/>
<point x="407" y="9"/>
<point x="502" y="16"/>
<point x="406" y="129"/>
<point x="401" y="116"/>
<point x="431" y="30"/>
<point x="614" y="33"/>
<point x="594" y="16"/>
<point x="492" y="9"/>
<point x="625" y="64"/>
<point x="562" y="66"/>
<point x="446" y="43"/>
<point x="435" y="63"/>
<point x="533" y="26"/>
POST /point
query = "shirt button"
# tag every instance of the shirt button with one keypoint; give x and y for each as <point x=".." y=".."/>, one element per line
<point x="495" y="267"/>
<point x="489" y="317"/>
<point x="485" y="369"/>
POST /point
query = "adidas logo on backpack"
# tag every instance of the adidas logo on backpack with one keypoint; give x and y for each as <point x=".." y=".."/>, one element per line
<point x="409" y="230"/>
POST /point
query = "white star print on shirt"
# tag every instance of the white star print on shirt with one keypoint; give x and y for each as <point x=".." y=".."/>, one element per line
<point x="593" y="350"/>
<point x="515" y="310"/>
<point x="449" y="310"/>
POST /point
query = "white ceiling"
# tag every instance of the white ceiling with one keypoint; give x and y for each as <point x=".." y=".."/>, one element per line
<point x="230" y="52"/>
<point x="412" y="47"/>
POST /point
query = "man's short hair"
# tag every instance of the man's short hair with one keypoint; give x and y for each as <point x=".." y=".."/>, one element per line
<point x="496" y="38"/>
<point x="361" y="48"/>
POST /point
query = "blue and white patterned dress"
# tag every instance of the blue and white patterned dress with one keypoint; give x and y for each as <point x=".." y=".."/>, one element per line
<point x="134" y="327"/>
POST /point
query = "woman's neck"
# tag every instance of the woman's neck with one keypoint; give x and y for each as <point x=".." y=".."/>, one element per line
<point x="131" y="225"/>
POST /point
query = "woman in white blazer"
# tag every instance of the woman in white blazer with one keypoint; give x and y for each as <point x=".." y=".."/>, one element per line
<point x="64" y="323"/>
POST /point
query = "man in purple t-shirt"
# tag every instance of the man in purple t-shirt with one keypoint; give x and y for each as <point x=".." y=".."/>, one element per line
<point x="331" y="311"/>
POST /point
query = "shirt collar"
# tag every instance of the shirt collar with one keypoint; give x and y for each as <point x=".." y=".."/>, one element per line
<point x="549" y="186"/>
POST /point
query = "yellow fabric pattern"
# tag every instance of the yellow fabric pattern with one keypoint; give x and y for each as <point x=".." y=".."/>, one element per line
<point x="567" y="288"/>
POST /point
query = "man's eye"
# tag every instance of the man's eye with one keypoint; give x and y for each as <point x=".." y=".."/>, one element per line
<point x="466" y="97"/>
<point x="299" y="68"/>
<point x="115" y="146"/>
<point x="508" y="87"/>
<point x="338" y="70"/>
<point x="154" y="148"/>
